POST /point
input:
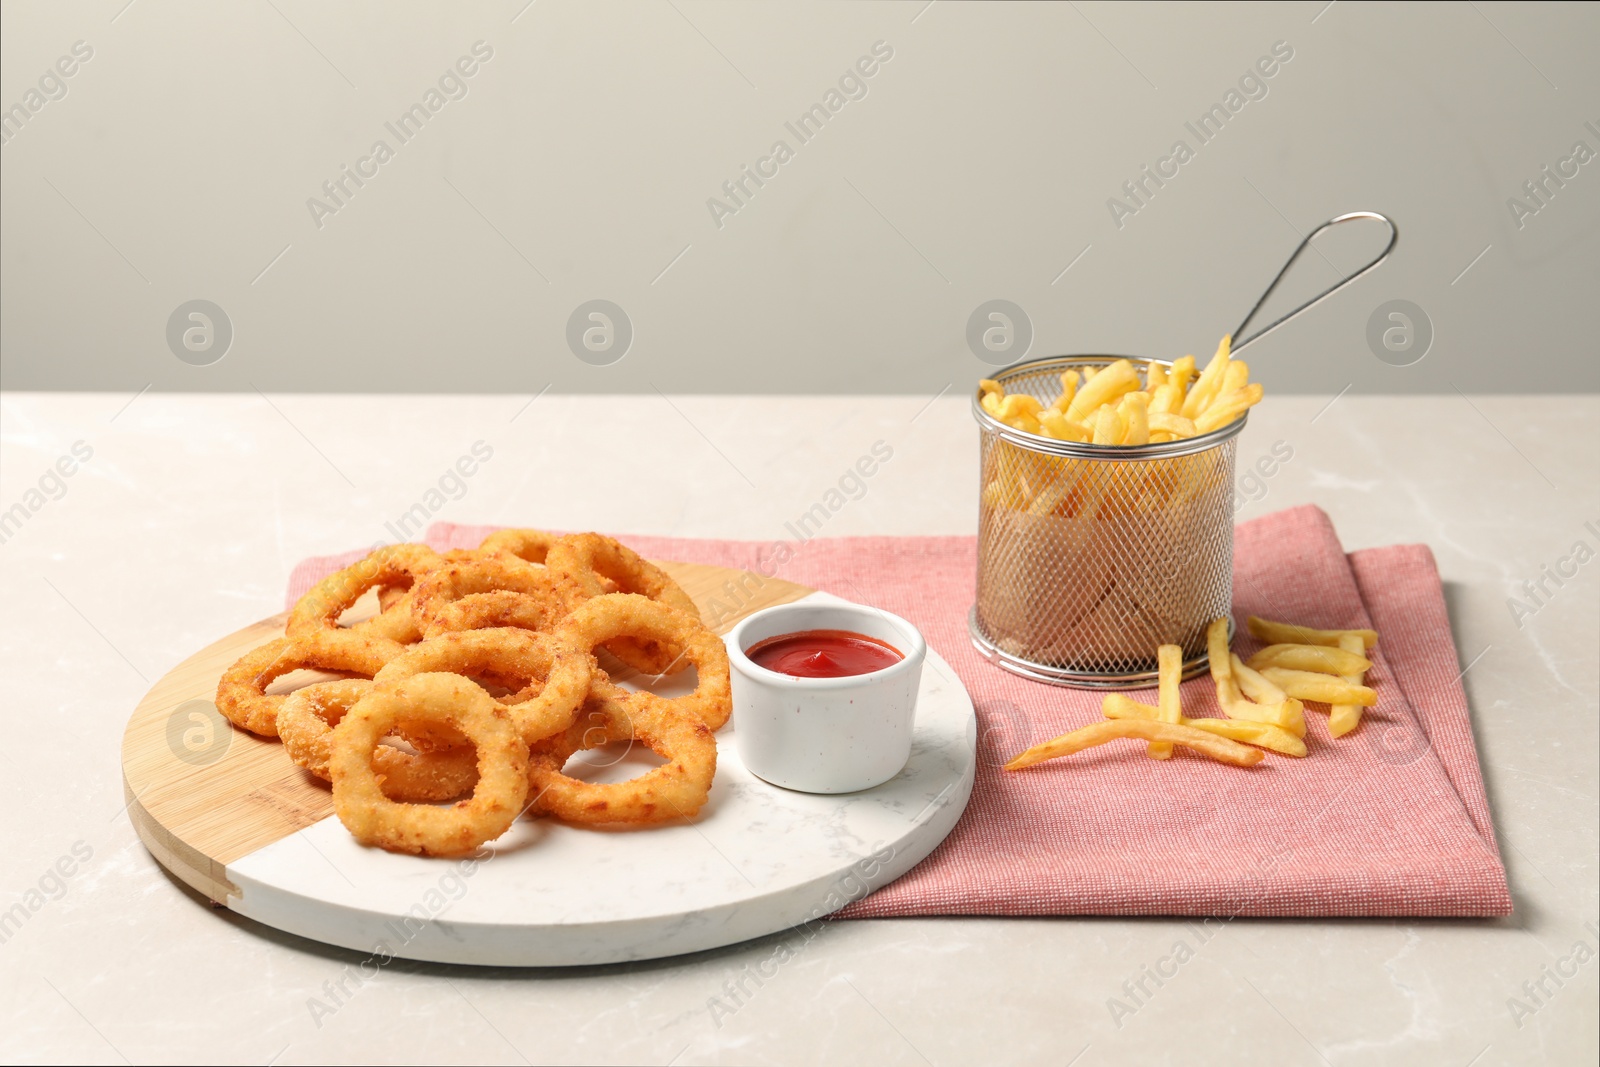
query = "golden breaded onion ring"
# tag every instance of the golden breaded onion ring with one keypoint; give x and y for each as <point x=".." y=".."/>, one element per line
<point x="392" y="565"/>
<point x="677" y="789"/>
<point x="450" y="702"/>
<point x="489" y="592"/>
<point x="242" y="692"/>
<point x="531" y="546"/>
<point x="551" y="677"/>
<point x="600" y="565"/>
<point x="604" y="619"/>
<point x="305" y="726"/>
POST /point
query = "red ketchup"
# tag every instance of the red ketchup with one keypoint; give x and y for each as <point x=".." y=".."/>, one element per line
<point x="823" y="654"/>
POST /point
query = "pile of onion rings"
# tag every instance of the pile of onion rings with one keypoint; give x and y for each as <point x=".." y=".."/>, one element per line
<point x="458" y="705"/>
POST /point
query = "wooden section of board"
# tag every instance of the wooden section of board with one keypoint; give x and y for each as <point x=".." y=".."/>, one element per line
<point x="202" y="793"/>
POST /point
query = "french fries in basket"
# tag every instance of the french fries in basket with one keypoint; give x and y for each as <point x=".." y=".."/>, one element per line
<point x="1111" y="405"/>
<point x="1162" y="403"/>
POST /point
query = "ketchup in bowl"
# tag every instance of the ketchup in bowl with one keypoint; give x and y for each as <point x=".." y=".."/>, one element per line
<point x="823" y="654"/>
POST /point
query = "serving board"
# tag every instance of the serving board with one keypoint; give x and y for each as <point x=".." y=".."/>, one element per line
<point x="230" y="815"/>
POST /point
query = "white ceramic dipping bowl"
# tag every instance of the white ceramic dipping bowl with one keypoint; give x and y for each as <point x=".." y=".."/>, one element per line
<point x="825" y="735"/>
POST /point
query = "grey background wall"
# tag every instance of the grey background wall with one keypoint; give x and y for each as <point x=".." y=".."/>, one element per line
<point x="572" y="155"/>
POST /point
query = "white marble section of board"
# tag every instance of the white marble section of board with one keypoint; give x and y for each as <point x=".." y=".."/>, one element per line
<point x="759" y="859"/>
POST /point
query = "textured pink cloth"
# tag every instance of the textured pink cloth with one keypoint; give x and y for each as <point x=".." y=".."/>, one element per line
<point x="1390" y="820"/>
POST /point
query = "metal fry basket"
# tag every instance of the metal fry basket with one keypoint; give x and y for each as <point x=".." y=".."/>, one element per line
<point x="1091" y="556"/>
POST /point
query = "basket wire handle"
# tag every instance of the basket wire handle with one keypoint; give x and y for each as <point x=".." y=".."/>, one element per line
<point x="1394" y="235"/>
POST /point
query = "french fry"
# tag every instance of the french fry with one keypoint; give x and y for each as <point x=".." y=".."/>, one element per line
<point x="1181" y="374"/>
<point x="1288" y="715"/>
<point x="1225" y="409"/>
<point x="990" y="387"/>
<point x="1287" y="633"/>
<point x="1218" y="748"/>
<point x="1055" y="494"/>
<point x="1285" y="713"/>
<point x="1155" y="377"/>
<point x="1176" y="425"/>
<point x="1069" y="389"/>
<point x="1020" y="404"/>
<point x="1235" y="377"/>
<point x="1218" y="651"/>
<point x="1255" y="686"/>
<point x="1107" y="427"/>
<point x="1167" y="400"/>
<point x="1312" y="658"/>
<point x="1208" y="384"/>
<point x="1260" y="734"/>
<point x="1342" y="718"/>
<point x="1134" y="410"/>
<point x="1119" y="706"/>
<point x="1108" y="384"/>
<point x="1057" y="425"/>
<point x="1169" y="676"/>
<point x="1322" y="688"/>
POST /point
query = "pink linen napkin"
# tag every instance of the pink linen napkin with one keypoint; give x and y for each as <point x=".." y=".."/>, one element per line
<point x="1390" y="820"/>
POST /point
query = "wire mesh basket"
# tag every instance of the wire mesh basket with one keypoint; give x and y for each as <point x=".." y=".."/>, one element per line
<point x="1090" y="556"/>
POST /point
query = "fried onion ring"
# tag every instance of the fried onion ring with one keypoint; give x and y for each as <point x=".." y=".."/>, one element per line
<point x="392" y="565"/>
<point x="448" y="700"/>
<point x="305" y="726"/>
<point x="529" y="545"/>
<point x="397" y="618"/>
<point x="554" y="677"/>
<point x="390" y="595"/>
<point x="598" y="566"/>
<point x="498" y="608"/>
<point x="242" y="692"/>
<point x="491" y="591"/>
<point x="676" y="789"/>
<point x="604" y="619"/>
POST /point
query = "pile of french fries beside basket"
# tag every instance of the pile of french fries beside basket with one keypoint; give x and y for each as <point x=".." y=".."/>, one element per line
<point x="1262" y="700"/>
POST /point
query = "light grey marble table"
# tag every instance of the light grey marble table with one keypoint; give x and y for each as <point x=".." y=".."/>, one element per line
<point x="185" y="518"/>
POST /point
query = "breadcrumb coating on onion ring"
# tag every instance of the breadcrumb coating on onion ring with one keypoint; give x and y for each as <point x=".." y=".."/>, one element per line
<point x="450" y="701"/>
<point x="493" y="591"/>
<point x="600" y="565"/>
<point x="318" y="611"/>
<point x="602" y="620"/>
<point x="397" y="618"/>
<point x="412" y="725"/>
<point x="530" y="545"/>
<point x="677" y="789"/>
<point x="497" y="608"/>
<point x="305" y="726"/>
<point x="554" y="677"/>
<point x="242" y="692"/>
